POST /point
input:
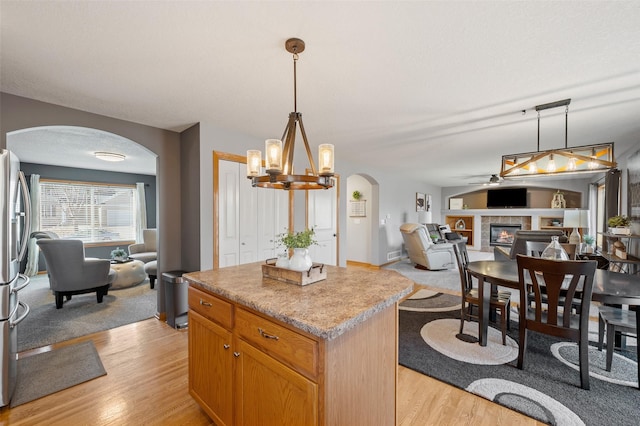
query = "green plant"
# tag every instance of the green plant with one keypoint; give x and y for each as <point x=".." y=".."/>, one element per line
<point x="356" y="195"/>
<point x="589" y="239"/>
<point x="118" y="252"/>
<point x="618" y="221"/>
<point x="302" y="239"/>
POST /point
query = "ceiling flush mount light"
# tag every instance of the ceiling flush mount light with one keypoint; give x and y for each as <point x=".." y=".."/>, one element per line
<point x="278" y="162"/>
<point x="109" y="156"/>
<point x="578" y="159"/>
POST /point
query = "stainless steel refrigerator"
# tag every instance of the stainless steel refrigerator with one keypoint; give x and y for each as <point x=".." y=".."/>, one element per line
<point x="15" y="219"/>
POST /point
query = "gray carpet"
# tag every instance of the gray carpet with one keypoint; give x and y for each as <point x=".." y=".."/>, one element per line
<point x="81" y="315"/>
<point x="49" y="372"/>
<point x="548" y="388"/>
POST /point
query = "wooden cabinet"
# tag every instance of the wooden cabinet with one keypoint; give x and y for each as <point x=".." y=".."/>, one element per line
<point x="246" y="368"/>
<point x="463" y="225"/>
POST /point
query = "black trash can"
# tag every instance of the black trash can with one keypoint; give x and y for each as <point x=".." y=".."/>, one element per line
<point x="176" y="298"/>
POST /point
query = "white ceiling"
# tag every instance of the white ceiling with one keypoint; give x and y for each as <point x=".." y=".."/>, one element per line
<point x="434" y="89"/>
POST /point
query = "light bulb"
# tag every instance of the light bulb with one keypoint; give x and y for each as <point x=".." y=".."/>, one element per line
<point x="571" y="165"/>
<point x="592" y="163"/>
<point x="551" y="165"/>
<point x="533" y="167"/>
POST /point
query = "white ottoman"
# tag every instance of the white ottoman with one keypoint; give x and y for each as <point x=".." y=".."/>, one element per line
<point x="128" y="274"/>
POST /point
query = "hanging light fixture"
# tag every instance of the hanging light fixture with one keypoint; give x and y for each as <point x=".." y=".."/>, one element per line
<point x="579" y="159"/>
<point x="278" y="160"/>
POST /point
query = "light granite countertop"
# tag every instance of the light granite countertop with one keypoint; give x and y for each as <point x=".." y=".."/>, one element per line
<point x="325" y="308"/>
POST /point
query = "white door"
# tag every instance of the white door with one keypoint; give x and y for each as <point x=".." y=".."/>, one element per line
<point x="228" y="214"/>
<point x="272" y="221"/>
<point x="250" y="219"/>
<point x="249" y="213"/>
<point x="322" y="216"/>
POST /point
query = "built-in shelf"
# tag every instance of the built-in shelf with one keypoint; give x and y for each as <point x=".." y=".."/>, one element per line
<point x="463" y="225"/>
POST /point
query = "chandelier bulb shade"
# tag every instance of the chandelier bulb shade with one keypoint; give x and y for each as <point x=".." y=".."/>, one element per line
<point x="278" y="156"/>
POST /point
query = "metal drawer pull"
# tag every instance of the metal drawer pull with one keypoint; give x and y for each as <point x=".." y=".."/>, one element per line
<point x="203" y="303"/>
<point x="226" y="346"/>
<point x="267" y="336"/>
<point x="236" y="354"/>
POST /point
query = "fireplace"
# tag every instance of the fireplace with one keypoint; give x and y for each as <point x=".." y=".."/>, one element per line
<point x="501" y="234"/>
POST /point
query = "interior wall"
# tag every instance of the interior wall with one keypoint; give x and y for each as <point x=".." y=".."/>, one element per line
<point x="101" y="176"/>
<point x="23" y="113"/>
<point x="190" y="193"/>
<point x="540" y="193"/>
<point x="537" y="198"/>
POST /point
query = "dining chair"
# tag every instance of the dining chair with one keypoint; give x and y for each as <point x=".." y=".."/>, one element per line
<point x="535" y="249"/>
<point x="555" y="278"/>
<point x="615" y="320"/>
<point x="500" y="300"/>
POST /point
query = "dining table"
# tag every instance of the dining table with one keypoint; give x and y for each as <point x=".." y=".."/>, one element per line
<point x="612" y="288"/>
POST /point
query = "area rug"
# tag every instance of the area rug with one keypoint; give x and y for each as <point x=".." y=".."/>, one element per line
<point x="49" y="372"/>
<point x="81" y="315"/>
<point x="547" y="389"/>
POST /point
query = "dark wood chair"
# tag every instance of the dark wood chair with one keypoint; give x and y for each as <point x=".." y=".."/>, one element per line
<point x="535" y="249"/>
<point x="500" y="300"/>
<point x="561" y="281"/>
<point x="614" y="320"/>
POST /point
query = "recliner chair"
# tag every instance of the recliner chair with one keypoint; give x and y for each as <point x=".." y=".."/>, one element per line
<point x="71" y="273"/>
<point x="423" y="252"/>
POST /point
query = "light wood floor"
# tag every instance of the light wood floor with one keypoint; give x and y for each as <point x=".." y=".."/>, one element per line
<point x="146" y="384"/>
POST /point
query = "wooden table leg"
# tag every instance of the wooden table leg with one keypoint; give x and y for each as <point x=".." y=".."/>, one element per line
<point x="484" y="296"/>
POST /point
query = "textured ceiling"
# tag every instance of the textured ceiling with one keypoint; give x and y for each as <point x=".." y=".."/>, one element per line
<point x="432" y="89"/>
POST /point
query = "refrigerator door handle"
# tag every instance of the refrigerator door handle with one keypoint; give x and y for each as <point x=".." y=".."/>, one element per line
<point x="27" y="217"/>
<point x="26" y="279"/>
<point x="18" y="320"/>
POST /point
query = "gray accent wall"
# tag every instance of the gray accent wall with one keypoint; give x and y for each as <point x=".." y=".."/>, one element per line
<point x="100" y="176"/>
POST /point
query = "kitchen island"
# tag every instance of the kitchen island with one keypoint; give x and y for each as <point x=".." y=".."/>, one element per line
<point x="262" y="351"/>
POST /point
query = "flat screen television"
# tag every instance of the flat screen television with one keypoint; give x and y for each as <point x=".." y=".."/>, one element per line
<point x="505" y="198"/>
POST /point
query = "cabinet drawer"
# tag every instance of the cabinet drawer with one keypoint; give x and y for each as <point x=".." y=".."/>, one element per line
<point x="297" y="350"/>
<point x="211" y="307"/>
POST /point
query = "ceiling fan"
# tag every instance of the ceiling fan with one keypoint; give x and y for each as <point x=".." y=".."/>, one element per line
<point x="493" y="180"/>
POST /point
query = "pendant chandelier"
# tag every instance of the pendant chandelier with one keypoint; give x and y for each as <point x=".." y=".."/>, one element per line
<point x="579" y="159"/>
<point x="279" y="160"/>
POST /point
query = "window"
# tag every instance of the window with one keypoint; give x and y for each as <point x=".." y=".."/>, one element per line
<point x="91" y="212"/>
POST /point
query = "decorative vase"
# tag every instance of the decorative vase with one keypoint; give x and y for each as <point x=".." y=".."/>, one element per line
<point x="554" y="251"/>
<point x="300" y="261"/>
<point x="283" y="261"/>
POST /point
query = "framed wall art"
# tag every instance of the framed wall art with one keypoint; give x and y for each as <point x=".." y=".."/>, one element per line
<point x="420" y="202"/>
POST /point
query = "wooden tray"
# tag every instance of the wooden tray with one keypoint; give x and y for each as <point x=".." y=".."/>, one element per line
<point x="316" y="273"/>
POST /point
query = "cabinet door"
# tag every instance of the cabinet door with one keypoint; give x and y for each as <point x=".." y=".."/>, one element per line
<point x="211" y="368"/>
<point x="270" y="393"/>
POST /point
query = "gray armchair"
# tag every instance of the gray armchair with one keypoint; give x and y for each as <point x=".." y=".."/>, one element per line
<point x="423" y="252"/>
<point x="71" y="273"/>
<point x="145" y="251"/>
